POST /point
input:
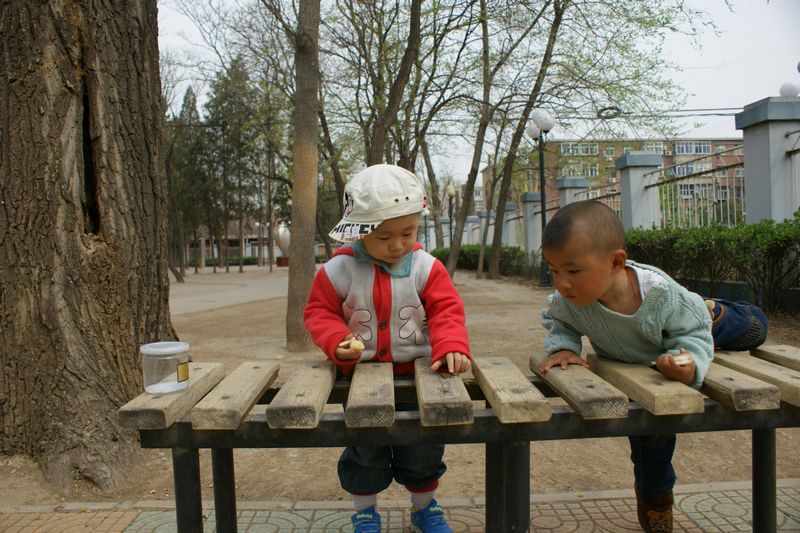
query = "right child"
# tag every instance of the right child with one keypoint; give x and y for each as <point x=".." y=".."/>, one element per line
<point x="634" y="313"/>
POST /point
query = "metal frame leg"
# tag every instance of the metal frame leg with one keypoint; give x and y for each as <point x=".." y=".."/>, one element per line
<point x="765" y="501"/>
<point x="188" y="500"/>
<point x="224" y="489"/>
<point x="508" y="487"/>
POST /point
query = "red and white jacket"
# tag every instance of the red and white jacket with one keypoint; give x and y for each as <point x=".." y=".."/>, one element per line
<point x="399" y="319"/>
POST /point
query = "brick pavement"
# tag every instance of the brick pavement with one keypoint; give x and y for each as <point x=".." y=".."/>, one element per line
<point x="717" y="508"/>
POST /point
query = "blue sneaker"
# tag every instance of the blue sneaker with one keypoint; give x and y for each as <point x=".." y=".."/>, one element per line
<point x="367" y="521"/>
<point x="430" y="520"/>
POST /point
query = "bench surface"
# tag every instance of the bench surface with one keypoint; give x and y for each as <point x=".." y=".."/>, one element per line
<point x="738" y="381"/>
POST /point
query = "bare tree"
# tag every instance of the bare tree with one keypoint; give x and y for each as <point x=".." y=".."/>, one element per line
<point x="82" y="229"/>
<point x="304" y="190"/>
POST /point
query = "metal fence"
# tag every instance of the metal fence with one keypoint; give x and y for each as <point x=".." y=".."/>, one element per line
<point x="693" y="192"/>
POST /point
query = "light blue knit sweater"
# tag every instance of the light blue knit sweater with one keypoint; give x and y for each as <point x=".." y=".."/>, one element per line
<point x="670" y="318"/>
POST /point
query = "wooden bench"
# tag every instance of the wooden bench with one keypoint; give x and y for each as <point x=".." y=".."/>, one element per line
<point x="246" y="409"/>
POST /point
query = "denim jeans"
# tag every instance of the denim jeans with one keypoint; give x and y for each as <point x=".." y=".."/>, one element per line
<point x="652" y="464"/>
<point x="740" y="326"/>
<point x="371" y="469"/>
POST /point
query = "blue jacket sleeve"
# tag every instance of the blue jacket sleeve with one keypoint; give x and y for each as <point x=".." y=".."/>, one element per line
<point x="560" y="336"/>
<point x="689" y="327"/>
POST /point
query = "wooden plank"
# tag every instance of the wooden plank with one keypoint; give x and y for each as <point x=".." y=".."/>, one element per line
<point x="157" y="411"/>
<point x="225" y="406"/>
<point x="512" y="396"/>
<point x="739" y="391"/>
<point x="780" y="354"/>
<point x="588" y="394"/>
<point x="648" y="387"/>
<point x="442" y="397"/>
<point x="299" y="403"/>
<point x="786" y="379"/>
<point x="370" y="402"/>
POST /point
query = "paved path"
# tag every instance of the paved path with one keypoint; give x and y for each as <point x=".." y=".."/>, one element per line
<point x="716" y="508"/>
<point x="209" y="290"/>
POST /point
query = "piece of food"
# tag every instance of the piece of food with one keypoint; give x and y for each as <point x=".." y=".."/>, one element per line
<point x="682" y="359"/>
<point x="353" y="343"/>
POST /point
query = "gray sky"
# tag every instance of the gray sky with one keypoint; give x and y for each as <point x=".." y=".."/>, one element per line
<point x="758" y="49"/>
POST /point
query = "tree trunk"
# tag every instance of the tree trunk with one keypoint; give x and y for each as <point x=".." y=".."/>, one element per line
<point x="508" y="166"/>
<point x="83" y="224"/>
<point x="384" y="122"/>
<point x="304" y="188"/>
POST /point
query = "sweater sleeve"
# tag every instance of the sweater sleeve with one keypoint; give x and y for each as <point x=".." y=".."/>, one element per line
<point x="689" y="327"/>
<point x="445" y="314"/>
<point x="323" y="319"/>
<point x="560" y="336"/>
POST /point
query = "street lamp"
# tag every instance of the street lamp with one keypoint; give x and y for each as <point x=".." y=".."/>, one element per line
<point x="541" y="123"/>
<point x="451" y="192"/>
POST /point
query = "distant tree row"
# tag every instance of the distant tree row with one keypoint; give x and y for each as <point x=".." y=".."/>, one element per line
<point x="407" y="81"/>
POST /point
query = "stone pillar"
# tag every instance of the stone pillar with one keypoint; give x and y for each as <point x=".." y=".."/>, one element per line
<point x="473" y="226"/>
<point x="532" y="229"/>
<point x="568" y="188"/>
<point x="771" y="139"/>
<point x="640" y="208"/>
<point x="507" y="236"/>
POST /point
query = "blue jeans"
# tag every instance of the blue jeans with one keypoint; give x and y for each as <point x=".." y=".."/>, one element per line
<point x="371" y="469"/>
<point x="652" y="464"/>
<point x="740" y="326"/>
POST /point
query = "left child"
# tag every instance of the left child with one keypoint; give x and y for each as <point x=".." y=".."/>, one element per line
<point x="381" y="297"/>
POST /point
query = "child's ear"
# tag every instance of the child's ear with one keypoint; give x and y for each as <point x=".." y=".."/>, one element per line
<point x="618" y="258"/>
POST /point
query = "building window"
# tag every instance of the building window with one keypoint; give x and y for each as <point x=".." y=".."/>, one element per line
<point x="686" y="190"/>
<point x="609" y="151"/>
<point x="684" y="147"/>
<point x="578" y="149"/>
<point x="683" y="170"/>
<point x="653" y="146"/>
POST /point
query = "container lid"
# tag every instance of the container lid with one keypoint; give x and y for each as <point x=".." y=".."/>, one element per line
<point x="164" y="348"/>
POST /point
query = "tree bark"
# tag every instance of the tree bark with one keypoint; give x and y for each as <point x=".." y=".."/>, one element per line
<point x="304" y="188"/>
<point x="82" y="228"/>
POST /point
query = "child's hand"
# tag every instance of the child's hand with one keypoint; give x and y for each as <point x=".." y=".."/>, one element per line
<point x="564" y="358"/>
<point x="350" y="348"/>
<point x="677" y="368"/>
<point x="456" y="363"/>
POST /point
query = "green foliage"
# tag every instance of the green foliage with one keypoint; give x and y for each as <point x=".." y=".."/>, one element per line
<point x="512" y="259"/>
<point x="766" y="256"/>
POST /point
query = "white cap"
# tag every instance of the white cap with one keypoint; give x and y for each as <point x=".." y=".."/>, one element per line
<point x="375" y="194"/>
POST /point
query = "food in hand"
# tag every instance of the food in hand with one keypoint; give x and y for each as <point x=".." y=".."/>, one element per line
<point x="682" y="359"/>
<point x="353" y="343"/>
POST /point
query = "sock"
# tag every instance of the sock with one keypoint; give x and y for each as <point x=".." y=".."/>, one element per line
<point x="420" y="500"/>
<point x="362" y="501"/>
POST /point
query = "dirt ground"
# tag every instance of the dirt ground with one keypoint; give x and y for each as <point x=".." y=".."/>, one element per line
<point x="502" y="321"/>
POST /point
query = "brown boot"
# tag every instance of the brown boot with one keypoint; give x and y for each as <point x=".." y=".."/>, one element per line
<point x="655" y="514"/>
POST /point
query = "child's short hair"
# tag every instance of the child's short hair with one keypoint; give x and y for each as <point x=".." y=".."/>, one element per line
<point x="595" y="220"/>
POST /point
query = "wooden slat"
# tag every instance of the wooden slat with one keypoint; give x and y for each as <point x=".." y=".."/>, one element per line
<point x="786" y="379"/>
<point x="157" y="411"/>
<point x="588" y="394"/>
<point x="647" y="386"/>
<point x="443" y="398"/>
<point x="301" y="400"/>
<point x="370" y="402"/>
<point x="739" y="391"/>
<point x="780" y="354"/>
<point x="225" y="406"/>
<point x="512" y="396"/>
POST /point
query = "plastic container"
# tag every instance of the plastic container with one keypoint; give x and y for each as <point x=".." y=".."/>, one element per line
<point x="165" y="366"/>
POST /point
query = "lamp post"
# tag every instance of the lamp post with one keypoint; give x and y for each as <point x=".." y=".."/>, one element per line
<point x="451" y="192"/>
<point x="541" y="123"/>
